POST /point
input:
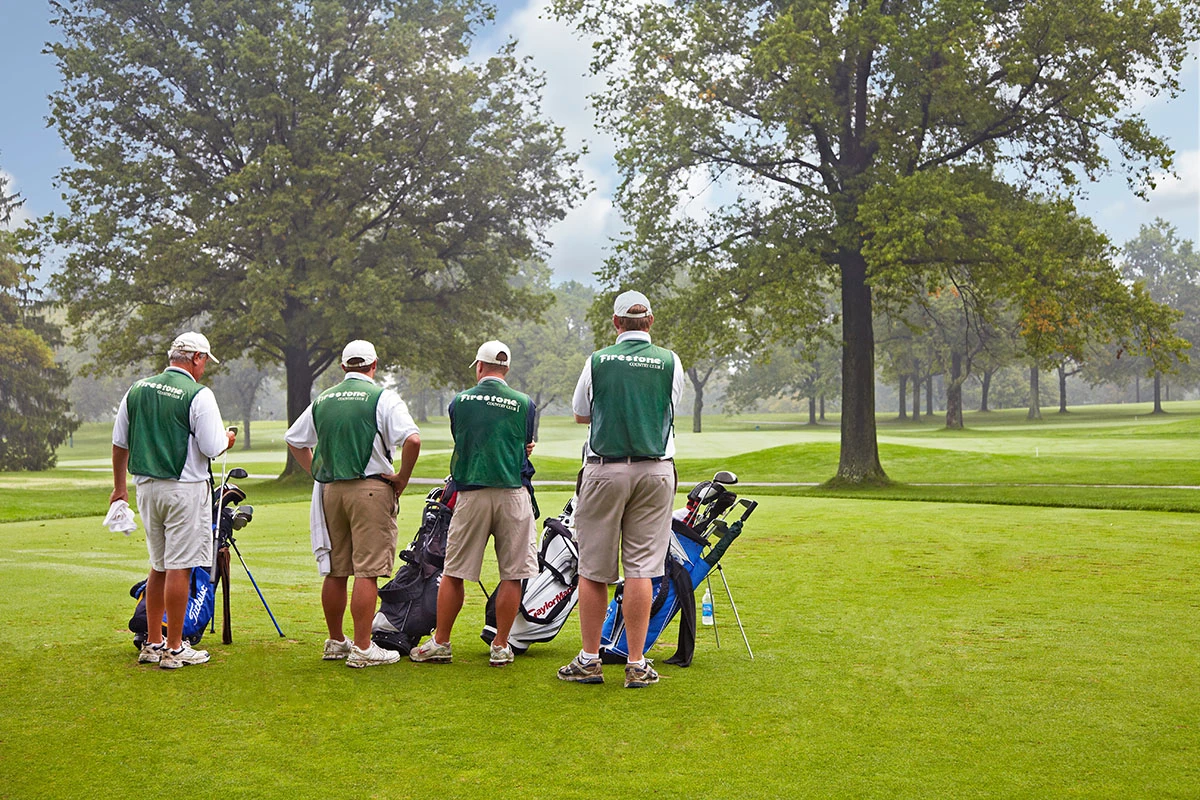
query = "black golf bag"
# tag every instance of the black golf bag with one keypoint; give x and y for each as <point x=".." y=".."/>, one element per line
<point x="548" y="597"/>
<point x="408" y="602"/>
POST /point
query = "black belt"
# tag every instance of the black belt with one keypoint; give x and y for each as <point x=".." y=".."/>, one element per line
<point x="623" y="459"/>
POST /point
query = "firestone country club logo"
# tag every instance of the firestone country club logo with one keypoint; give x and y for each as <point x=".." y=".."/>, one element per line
<point x="507" y="403"/>
<point x="635" y="361"/>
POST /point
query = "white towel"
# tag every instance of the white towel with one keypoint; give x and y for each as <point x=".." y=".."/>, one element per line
<point x="120" y="518"/>
<point x="319" y="531"/>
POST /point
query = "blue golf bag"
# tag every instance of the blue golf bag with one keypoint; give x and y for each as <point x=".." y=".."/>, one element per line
<point x="200" y="607"/>
<point x="687" y="566"/>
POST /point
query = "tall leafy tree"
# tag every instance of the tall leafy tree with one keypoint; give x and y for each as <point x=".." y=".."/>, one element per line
<point x="291" y="174"/>
<point x="787" y="118"/>
<point x="34" y="410"/>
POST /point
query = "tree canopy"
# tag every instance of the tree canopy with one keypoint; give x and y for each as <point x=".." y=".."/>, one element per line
<point x="760" y="139"/>
<point x="34" y="410"/>
<point x="291" y="174"/>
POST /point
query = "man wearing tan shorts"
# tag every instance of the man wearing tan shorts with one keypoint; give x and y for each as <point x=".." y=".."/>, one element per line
<point x="627" y="395"/>
<point x="346" y="439"/>
<point x="492" y="427"/>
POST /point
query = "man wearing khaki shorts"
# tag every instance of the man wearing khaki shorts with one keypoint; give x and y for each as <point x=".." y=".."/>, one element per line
<point x="627" y="395"/>
<point x="492" y="428"/>
<point x="346" y="439"/>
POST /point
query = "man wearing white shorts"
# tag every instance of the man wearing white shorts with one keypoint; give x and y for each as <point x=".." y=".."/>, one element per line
<point x="168" y="428"/>
<point x="627" y="395"/>
<point x="492" y="427"/>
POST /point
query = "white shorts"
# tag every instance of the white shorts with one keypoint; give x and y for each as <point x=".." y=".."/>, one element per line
<point x="178" y="520"/>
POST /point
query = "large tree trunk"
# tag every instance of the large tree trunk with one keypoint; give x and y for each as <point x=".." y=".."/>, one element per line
<point x="244" y="434"/>
<point x="812" y="410"/>
<point x="1158" y="409"/>
<point x="859" y="462"/>
<point x="1035" y="400"/>
<point x="821" y="409"/>
<point x="698" y="384"/>
<point x="916" y="400"/>
<point x="985" y="386"/>
<point x="903" y="397"/>
<point x="299" y="375"/>
<point x="954" y="413"/>
<point x="929" y="395"/>
<point x="1137" y="388"/>
<point x="1062" y="390"/>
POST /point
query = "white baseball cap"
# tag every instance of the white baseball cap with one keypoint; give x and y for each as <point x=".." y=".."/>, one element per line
<point x="192" y="342"/>
<point x="493" y="352"/>
<point x="359" y="353"/>
<point x="627" y="300"/>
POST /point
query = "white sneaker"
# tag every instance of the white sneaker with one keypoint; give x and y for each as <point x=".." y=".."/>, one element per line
<point x="432" y="652"/>
<point x="152" y="653"/>
<point x="183" y="657"/>
<point x="500" y="656"/>
<point x="373" y="656"/>
<point x="337" y="651"/>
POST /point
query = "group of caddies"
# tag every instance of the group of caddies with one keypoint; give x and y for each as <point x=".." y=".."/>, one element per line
<point x="169" y="427"/>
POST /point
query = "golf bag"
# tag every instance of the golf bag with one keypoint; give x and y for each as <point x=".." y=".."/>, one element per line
<point x="687" y="565"/>
<point x="200" y="606"/>
<point x="408" y="602"/>
<point x="548" y="597"/>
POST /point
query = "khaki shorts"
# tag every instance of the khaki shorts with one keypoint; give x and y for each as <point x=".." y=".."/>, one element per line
<point x="624" y="514"/>
<point x="178" y="520"/>
<point x="361" y="516"/>
<point x="506" y="515"/>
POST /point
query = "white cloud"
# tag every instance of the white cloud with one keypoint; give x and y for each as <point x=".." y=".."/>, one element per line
<point x="582" y="240"/>
<point x="1181" y="190"/>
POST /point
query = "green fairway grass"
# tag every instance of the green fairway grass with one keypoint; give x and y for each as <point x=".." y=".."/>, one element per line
<point x="902" y="649"/>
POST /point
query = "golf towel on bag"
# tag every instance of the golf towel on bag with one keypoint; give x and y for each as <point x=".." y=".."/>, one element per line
<point x="548" y="597"/>
<point x="200" y="607"/>
<point x="408" y="602"/>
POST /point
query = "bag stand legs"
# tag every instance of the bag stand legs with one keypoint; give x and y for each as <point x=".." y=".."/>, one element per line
<point x="736" y="616"/>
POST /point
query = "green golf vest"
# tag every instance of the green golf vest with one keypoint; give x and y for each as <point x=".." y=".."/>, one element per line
<point x="631" y="400"/>
<point x="490" y="427"/>
<point x="159" y="411"/>
<point x="344" y="417"/>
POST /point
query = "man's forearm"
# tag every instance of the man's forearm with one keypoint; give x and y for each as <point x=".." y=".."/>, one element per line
<point x="303" y="456"/>
<point x="409" y="452"/>
<point x="120" y="466"/>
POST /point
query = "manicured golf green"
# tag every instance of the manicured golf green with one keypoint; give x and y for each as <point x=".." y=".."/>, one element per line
<point x="902" y="649"/>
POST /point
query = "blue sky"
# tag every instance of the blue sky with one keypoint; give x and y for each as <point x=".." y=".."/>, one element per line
<point x="31" y="154"/>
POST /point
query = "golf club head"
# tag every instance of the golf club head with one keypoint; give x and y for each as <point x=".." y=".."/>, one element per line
<point x="228" y="494"/>
<point x="243" y="517"/>
<point x="701" y="492"/>
<point x="237" y="473"/>
<point x="725" y="477"/>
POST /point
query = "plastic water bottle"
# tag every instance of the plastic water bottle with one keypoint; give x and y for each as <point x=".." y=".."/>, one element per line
<point x="706" y="608"/>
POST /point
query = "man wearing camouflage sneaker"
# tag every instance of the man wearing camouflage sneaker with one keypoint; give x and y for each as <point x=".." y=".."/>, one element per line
<point x="627" y="395"/>
<point x="492" y="428"/>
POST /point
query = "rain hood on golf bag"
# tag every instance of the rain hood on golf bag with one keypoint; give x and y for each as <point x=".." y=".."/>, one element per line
<point x="548" y="597"/>
<point x="199" y="612"/>
<point x="408" y="602"/>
